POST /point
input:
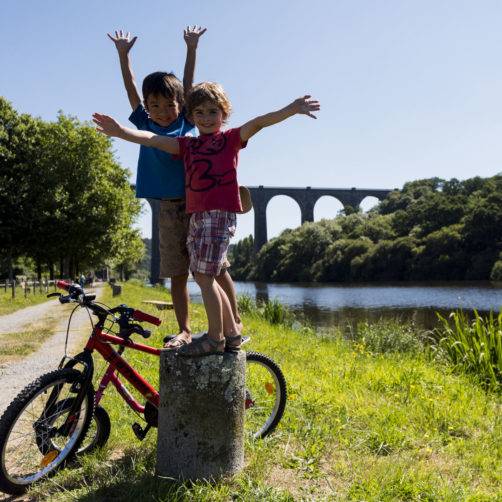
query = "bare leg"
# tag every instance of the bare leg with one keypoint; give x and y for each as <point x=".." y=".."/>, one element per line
<point x="181" y="303"/>
<point x="226" y="283"/>
<point x="213" y="304"/>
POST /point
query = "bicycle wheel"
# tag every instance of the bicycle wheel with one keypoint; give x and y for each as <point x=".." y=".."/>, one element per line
<point x="30" y="442"/>
<point x="98" y="433"/>
<point x="266" y="395"/>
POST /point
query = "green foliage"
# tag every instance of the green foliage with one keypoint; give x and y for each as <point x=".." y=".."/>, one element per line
<point x="241" y="259"/>
<point x="430" y="230"/>
<point x="63" y="197"/>
<point x="496" y="273"/>
<point x="473" y="346"/>
<point x="272" y="311"/>
<point x="387" y="336"/>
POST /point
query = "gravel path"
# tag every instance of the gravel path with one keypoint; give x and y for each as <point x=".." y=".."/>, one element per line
<point x="16" y="375"/>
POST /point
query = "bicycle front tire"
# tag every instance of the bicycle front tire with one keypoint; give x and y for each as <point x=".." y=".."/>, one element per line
<point x="266" y="395"/>
<point x="31" y="446"/>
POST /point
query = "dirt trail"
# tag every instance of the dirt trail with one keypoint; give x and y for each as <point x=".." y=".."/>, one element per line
<point x="16" y="375"/>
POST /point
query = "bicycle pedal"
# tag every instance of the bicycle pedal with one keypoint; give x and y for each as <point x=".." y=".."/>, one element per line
<point x="139" y="432"/>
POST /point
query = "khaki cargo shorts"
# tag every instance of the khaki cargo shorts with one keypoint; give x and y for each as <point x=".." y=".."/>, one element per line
<point x="173" y="233"/>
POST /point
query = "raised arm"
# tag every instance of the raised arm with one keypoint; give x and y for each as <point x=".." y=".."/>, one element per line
<point x="304" y="106"/>
<point x="191" y="36"/>
<point x="123" y="46"/>
<point x="109" y="126"/>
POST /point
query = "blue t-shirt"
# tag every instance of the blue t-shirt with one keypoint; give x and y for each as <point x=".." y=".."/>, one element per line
<point x="159" y="176"/>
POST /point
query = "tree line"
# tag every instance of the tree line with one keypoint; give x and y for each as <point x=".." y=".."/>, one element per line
<point x="432" y="229"/>
<point x="65" y="203"/>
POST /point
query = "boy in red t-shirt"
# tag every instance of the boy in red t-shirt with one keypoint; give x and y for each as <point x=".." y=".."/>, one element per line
<point x="212" y="194"/>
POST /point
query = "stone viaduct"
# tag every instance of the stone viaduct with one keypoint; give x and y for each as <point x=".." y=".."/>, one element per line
<point x="306" y="199"/>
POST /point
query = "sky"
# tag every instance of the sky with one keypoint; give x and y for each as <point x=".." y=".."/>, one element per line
<point x="409" y="89"/>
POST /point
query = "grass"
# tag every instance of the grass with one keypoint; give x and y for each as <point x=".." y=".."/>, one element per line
<point x="9" y="304"/>
<point x="365" y="421"/>
<point x="17" y="345"/>
<point x="473" y="346"/>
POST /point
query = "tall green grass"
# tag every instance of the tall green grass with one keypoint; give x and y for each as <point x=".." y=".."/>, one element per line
<point x="272" y="310"/>
<point x="364" y="422"/>
<point x="473" y="345"/>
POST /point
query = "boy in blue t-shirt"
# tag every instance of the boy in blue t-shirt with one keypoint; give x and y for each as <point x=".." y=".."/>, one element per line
<point x="159" y="176"/>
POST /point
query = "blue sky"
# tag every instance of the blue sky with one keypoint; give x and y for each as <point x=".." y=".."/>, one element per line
<point x="409" y="89"/>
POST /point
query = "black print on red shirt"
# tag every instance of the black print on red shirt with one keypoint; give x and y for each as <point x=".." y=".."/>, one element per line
<point x="201" y="175"/>
<point x="209" y="147"/>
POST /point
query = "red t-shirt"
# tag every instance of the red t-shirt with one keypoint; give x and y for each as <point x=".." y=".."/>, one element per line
<point x="211" y="171"/>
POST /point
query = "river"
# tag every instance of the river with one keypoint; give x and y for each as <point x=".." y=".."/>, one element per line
<point x="327" y="305"/>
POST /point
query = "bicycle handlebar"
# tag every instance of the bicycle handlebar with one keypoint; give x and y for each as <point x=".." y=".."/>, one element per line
<point x="71" y="288"/>
<point x="141" y="316"/>
<point x="76" y="291"/>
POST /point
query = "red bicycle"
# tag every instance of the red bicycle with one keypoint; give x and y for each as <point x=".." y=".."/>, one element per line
<point x="59" y="415"/>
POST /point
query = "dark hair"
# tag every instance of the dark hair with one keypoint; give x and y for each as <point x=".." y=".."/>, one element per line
<point x="164" y="84"/>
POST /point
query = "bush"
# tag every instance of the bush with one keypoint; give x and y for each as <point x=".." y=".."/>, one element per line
<point x="496" y="273"/>
<point x="387" y="336"/>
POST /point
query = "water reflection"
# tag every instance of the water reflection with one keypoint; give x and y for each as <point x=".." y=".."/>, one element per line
<point x="332" y="305"/>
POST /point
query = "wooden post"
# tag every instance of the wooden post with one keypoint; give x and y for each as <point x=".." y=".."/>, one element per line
<point x="13" y="288"/>
<point x="201" y="416"/>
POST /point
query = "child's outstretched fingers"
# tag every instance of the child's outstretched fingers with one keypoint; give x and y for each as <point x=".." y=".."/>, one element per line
<point x="306" y="106"/>
<point x="192" y="35"/>
<point x="122" y="41"/>
<point x="106" y="124"/>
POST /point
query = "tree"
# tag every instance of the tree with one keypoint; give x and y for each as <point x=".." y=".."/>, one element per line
<point x="92" y="204"/>
<point x="20" y="183"/>
<point x="63" y="197"/>
<point x="242" y="259"/>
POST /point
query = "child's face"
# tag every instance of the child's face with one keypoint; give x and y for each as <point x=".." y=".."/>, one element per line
<point x="208" y="117"/>
<point x="163" y="111"/>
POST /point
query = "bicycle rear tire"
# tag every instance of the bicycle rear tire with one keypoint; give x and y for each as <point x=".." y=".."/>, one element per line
<point x="98" y="433"/>
<point x="266" y="395"/>
<point x="30" y="446"/>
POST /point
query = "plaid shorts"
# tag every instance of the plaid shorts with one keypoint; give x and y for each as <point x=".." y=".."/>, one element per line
<point x="208" y="239"/>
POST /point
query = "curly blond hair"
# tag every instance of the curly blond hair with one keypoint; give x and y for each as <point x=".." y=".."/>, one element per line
<point x="208" y="92"/>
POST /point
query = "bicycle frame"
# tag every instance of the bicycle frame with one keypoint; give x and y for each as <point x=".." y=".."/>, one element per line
<point x="100" y="342"/>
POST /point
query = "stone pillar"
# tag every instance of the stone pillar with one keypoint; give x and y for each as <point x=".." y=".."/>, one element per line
<point x="201" y="416"/>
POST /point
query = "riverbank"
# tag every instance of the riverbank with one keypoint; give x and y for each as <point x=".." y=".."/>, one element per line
<point x="339" y="304"/>
<point x="362" y="423"/>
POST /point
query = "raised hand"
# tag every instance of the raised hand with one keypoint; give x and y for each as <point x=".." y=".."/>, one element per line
<point x="122" y="42"/>
<point x="106" y="124"/>
<point x="305" y="106"/>
<point x="192" y="35"/>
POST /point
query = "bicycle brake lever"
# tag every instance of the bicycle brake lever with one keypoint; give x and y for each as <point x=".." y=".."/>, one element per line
<point x="54" y="294"/>
<point x="145" y="333"/>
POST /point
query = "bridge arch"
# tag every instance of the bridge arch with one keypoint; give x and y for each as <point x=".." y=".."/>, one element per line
<point x="327" y="205"/>
<point x="306" y="199"/>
